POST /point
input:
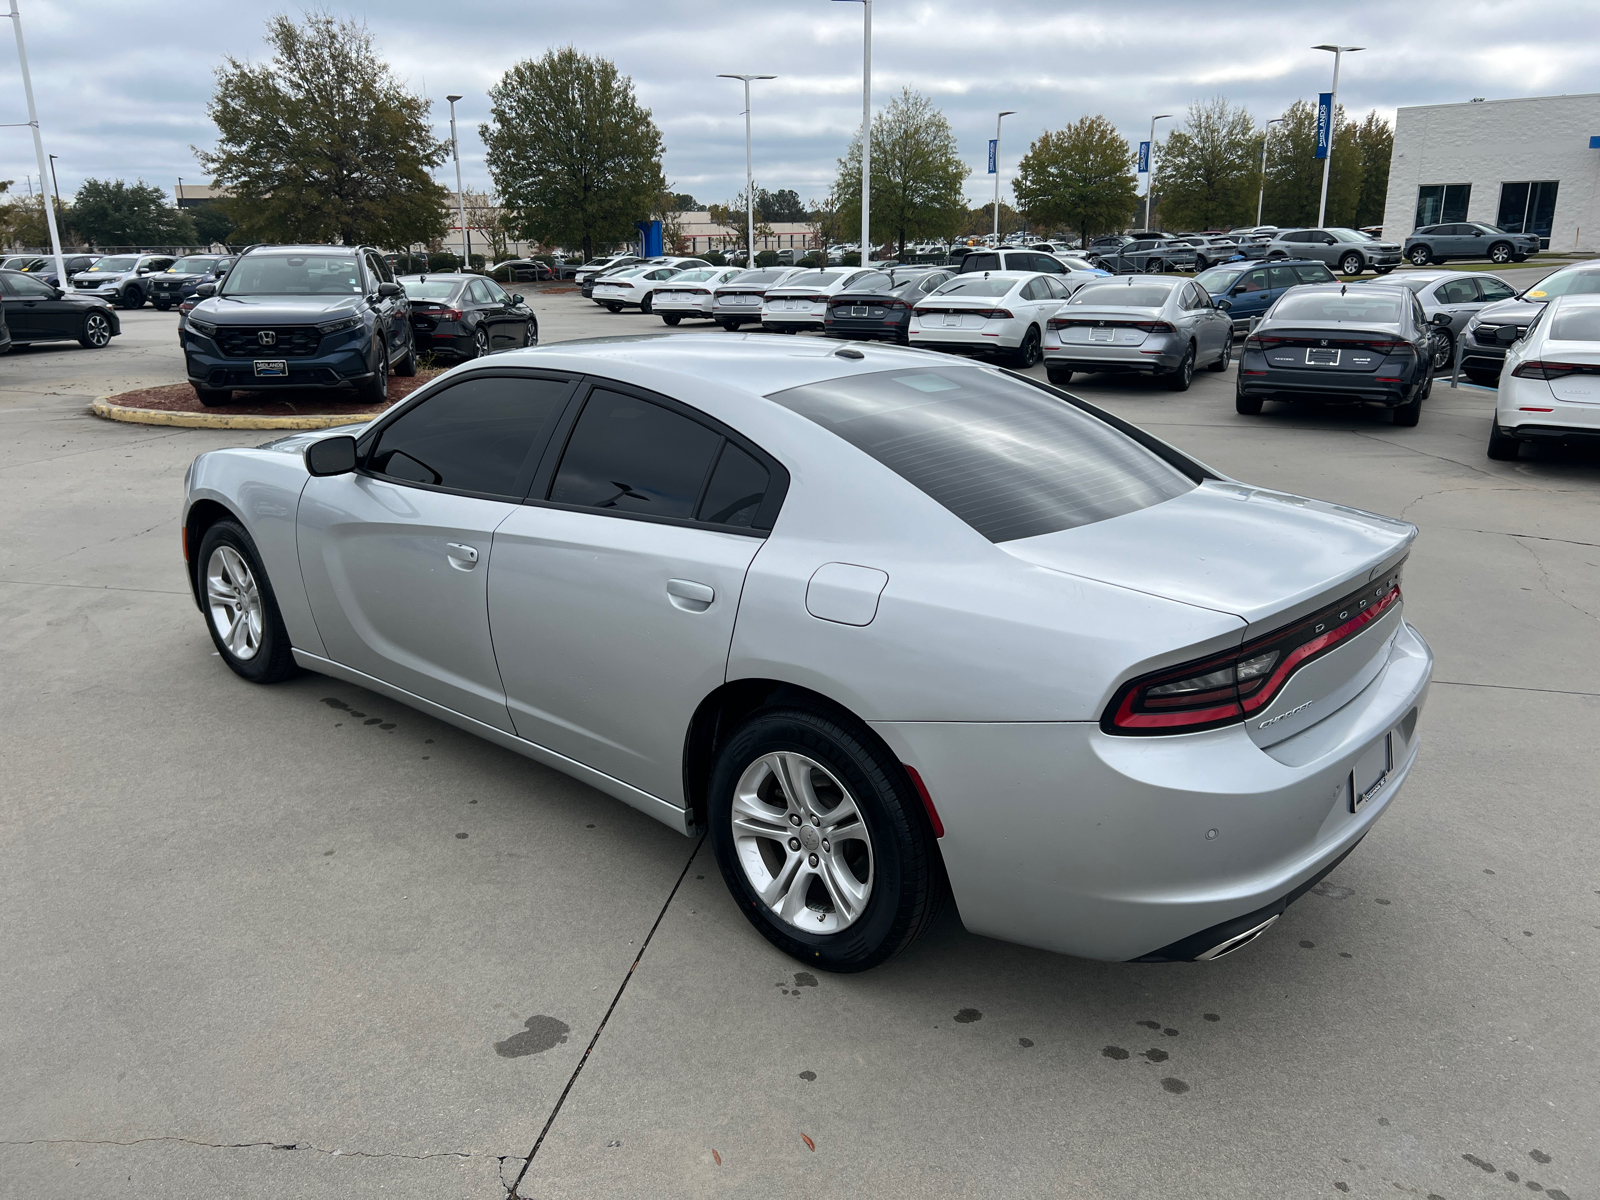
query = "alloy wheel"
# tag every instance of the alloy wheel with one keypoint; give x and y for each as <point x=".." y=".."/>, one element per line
<point x="531" y="338"/>
<point x="1350" y="264"/>
<point x="802" y="843"/>
<point x="1419" y="256"/>
<point x="1443" y="347"/>
<point x="96" y="329"/>
<point x="234" y="601"/>
<point x="1500" y="253"/>
<point x="480" y="343"/>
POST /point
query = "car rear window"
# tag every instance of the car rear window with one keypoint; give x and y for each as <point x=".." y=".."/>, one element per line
<point x="977" y="285"/>
<point x="1576" y="325"/>
<point x="1009" y="459"/>
<point x="1123" y="295"/>
<point x="1218" y="279"/>
<point x="1333" y="306"/>
<point x="1313" y="273"/>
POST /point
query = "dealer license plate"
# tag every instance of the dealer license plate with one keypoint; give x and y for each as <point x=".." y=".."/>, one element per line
<point x="271" y="366"/>
<point x="1102" y="335"/>
<point x="1322" y="358"/>
<point x="952" y="318"/>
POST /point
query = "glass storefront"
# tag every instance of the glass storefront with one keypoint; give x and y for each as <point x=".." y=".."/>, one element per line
<point x="1438" y="202"/>
<point x="1528" y="208"/>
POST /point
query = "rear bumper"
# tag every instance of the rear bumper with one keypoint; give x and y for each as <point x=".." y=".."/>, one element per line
<point x="1088" y="357"/>
<point x="1279" y="384"/>
<point x="974" y="340"/>
<point x="1559" y="435"/>
<point x="862" y="328"/>
<point x="1128" y="848"/>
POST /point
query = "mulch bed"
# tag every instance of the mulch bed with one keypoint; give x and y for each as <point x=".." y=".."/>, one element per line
<point x="279" y="402"/>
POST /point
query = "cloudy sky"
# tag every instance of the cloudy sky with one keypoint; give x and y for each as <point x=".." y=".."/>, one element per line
<point x="122" y="85"/>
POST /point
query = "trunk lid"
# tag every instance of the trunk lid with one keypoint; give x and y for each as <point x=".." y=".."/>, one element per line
<point x="1081" y="325"/>
<point x="1333" y="347"/>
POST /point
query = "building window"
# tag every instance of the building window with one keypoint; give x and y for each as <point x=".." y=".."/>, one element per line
<point x="1438" y="202"/>
<point x="1528" y="208"/>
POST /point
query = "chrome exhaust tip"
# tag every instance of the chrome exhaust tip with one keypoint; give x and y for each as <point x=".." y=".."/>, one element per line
<point x="1237" y="940"/>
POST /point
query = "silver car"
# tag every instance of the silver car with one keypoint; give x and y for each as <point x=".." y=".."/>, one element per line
<point x="888" y="626"/>
<point x="1153" y="325"/>
<point x="738" y="301"/>
<point x="1348" y="251"/>
<point x="1458" y="296"/>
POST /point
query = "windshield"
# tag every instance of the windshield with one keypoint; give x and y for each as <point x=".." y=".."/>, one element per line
<point x="122" y="262"/>
<point x="1349" y="235"/>
<point x="419" y="288"/>
<point x="1010" y="459"/>
<point x="1123" y="295"/>
<point x="1218" y="279"/>
<point x="294" y="275"/>
<point x="1565" y="283"/>
<point x="191" y="266"/>
<point x="1576" y="325"/>
<point x="1331" y="306"/>
<point x="977" y="285"/>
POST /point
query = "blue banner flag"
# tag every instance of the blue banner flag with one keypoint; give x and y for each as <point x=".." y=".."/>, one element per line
<point x="994" y="153"/>
<point x="1324" y="123"/>
<point x="1144" y="158"/>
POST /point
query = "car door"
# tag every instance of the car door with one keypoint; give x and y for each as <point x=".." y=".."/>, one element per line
<point x="394" y="313"/>
<point x="1459" y="298"/>
<point x="1279" y="280"/>
<point x="1249" y="294"/>
<point x="612" y="596"/>
<point x="396" y="555"/>
<point x="35" y="314"/>
<point x="491" y="313"/>
<point x="1213" y="330"/>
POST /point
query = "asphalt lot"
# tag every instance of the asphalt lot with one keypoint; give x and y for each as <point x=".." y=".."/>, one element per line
<point x="302" y="941"/>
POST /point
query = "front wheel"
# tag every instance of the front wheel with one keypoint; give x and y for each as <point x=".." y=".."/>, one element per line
<point x="162" y="305"/>
<point x="647" y="305"/>
<point x="213" y="397"/>
<point x="1501" y="447"/>
<point x="530" y="335"/>
<point x="374" y="389"/>
<point x="1382" y="270"/>
<point x="241" y="610"/>
<point x="671" y="318"/>
<point x="1500" y="253"/>
<point x="1180" y="379"/>
<point x="1351" y="264"/>
<point x="133" y="298"/>
<point x="1483" y="378"/>
<point x="96" y="333"/>
<point x="822" y="840"/>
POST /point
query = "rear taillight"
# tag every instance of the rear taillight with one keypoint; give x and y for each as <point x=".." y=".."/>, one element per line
<point x="1257" y="341"/>
<point x="1552" y="370"/>
<point x="443" y="314"/>
<point x="1155" y="327"/>
<point x="1227" y="688"/>
<point x="993" y="314"/>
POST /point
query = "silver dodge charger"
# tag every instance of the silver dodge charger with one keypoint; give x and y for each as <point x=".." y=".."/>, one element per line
<point x="888" y="628"/>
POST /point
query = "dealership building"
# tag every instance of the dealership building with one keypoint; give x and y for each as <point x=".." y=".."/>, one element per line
<point x="1528" y="166"/>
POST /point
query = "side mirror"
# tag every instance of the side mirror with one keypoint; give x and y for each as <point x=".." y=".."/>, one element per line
<point x="1238" y="291"/>
<point x="387" y="289"/>
<point x="1441" y="318"/>
<point x="516" y="299"/>
<point x="331" y="456"/>
<point x="1506" y="334"/>
<point x="205" y="291"/>
<point x="1224" y="305"/>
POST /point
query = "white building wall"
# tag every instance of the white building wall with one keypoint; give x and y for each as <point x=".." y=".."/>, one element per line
<point x="1501" y="141"/>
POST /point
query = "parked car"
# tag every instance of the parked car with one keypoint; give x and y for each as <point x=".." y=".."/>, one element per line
<point x="801" y="301"/>
<point x="1348" y="250"/>
<point x="1468" y="239"/>
<point x="40" y="312"/>
<point x="1253" y="244"/>
<point x="1457" y="295"/>
<point x="44" y="267"/>
<point x="123" y="279"/>
<point x="586" y="274"/>
<point x="630" y="271"/>
<point x="1251" y="288"/>
<point x="1334" y="343"/>
<point x="467" y="316"/>
<point x="524" y="270"/>
<point x="1498" y="325"/>
<point x="906" y="600"/>
<point x="1162" y="326"/>
<point x="738" y="301"/>
<point x="179" y="281"/>
<point x="631" y="287"/>
<point x="688" y="293"/>
<point x="5" y="330"/>
<point x="1107" y="243"/>
<point x="1149" y="255"/>
<point x="1014" y="260"/>
<point x="1551" y="393"/>
<point x="998" y="313"/>
<point x="1210" y="249"/>
<point x="876" y="306"/>
<point x="301" y="317"/>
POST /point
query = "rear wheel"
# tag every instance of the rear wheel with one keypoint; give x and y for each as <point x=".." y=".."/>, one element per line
<point x="822" y="840"/>
<point x="480" y="342"/>
<point x="1028" y="354"/>
<point x="241" y="610"/>
<point x="1407" y="415"/>
<point x="1225" y="360"/>
<point x="212" y="397"/>
<point x="1501" y="253"/>
<point x="671" y="318"/>
<point x="1152" y="266"/>
<point x="1442" y="348"/>
<point x="1484" y="378"/>
<point x="1246" y="406"/>
<point x="1179" y="380"/>
<point x="1060" y="376"/>
<point x="613" y="307"/>
<point x="647" y="305"/>
<point x="96" y="332"/>
<point x="1501" y="447"/>
<point x="728" y="323"/>
<point x="1351" y="264"/>
<point x="1418" y="256"/>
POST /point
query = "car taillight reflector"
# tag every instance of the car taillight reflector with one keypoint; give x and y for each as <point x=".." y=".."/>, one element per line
<point x="1538" y="369"/>
<point x="1227" y="688"/>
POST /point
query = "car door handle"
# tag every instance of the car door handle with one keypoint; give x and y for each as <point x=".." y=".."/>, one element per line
<point x="689" y="595"/>
<point x="462" y="557"/>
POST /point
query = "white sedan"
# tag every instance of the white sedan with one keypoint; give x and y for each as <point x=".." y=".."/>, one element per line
<point x="995" y="312"/>
<point x="633" y="287"/>
<point x="1550" y="384"/>
<point x="888" y="626"/>
<point x="801" y="301"/>
<point x="688" y="294"/>
<point x="738" y="301"/>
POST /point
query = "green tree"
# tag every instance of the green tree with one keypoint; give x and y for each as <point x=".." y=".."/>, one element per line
<point x="212" y="220"/>
<point x="1207" y="172"/>
<point x="574" y="153"/>
<point x="1375" y="145"/>
<point x="115" y="213"/>
<point x="1294" y="172"/>
<point x="980" y="221"/>
<point x="1079" y="178"/>
<point x="783" y="205"/>
<point x="918" y="178"/>
<point x="324" y="143"/>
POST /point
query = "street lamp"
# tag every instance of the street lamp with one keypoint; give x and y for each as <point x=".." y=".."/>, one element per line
<point x="38" y="143"/>
<point x="1338" y="52"/>
<point x="1008" y="113"/>
<point x="1150" y="175"/>
<point x="1266" y="135"/>
<point x="749" y="174"/>
<point x="866" y="130"/>
<point x="461" y="197"/>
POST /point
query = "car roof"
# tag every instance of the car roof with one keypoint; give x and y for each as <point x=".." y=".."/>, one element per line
<point x="439" y="275"/>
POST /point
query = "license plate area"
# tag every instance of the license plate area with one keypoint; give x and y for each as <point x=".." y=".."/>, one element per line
<point x="1102" y="335"/>
<point x="1371" y="771"/>
<point x="1318" y="357"/>
<point x="952" y="319"/>
<point x="271" y="367"/>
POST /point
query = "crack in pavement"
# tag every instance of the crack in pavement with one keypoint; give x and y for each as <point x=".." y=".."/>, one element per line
<point x="340" y="1153"/>
<point x="1511" y="687"/>
<point x="1544" y="579"/>
<point x="94" y="587"/>
<point x="1533" y="536"/>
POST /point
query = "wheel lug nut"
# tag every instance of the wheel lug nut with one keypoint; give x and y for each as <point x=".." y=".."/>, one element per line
<point x="826" y="848"/>
<point x="816" y="820"/>
<point x="794" y="843"/>
<point x="794" y="818"/>
<point x="813" y="860"/>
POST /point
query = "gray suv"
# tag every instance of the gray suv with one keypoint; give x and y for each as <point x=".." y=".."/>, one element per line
<point x="1348" y="251"/>
<point x="1469" y="239"/>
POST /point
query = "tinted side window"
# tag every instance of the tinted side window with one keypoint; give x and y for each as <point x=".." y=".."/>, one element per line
<point x="1458" y="291"/>
<point x="737" y="488"/>
<point x="1313" y="273"/>
<point x="482" y="435"/>
<point x="479" y="292"/>
<point x="1283" y="277"/>
<point x="1034" y="289"/>
<point x="631" y="456"/>
<point x="28" y="289"/>
<point x="1493" y="289"/>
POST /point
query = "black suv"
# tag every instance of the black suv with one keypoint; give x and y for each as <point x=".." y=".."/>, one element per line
<point x="300" y="316"/>
<point x="179" y="281"/>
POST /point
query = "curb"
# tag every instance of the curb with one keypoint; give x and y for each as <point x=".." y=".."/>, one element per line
<point x="102" y="407"/>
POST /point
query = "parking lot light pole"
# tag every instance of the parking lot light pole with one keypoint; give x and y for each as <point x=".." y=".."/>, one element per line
<point x="461" y="197"/>
<point x="1266" y="136"/>
<point x="1150" y="175"/>
<point x="1008" y="113"/>
<point x="38" y="145"/>
<point x="1338" y="52"/>
<point x="866" y="131"/>
<point x="749" y="172"/>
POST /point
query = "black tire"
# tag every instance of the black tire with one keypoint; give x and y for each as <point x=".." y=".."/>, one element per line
<point x="907" y="873"/>
<point x="1444" y="348"/>
<point x="374" y="389"/>
<point x="1418" y="255"/>
<point x="1407" y="415"/>
<point x="1352" y="264"/>
<point x="96" y="331"/>
<point x="273" y="659"/>
<point x="1179" y="380"/>
<point x="728" y="323"/>
<point x="1246" y="406"/>
<point x="162" y="305"/>
<point x="132" y="297"/>
<point x="407" y="366"/>
<point x="1501" y="253"/>
<point x="1152" y="266"/>
<point x="480" y="342"/>
<point x="1060" y="376"/>
<point x="611" y="306"/>
<point x="1226" y="359"/>
<point x="212" y="397"/>
<point x="1483" y="378"/>
<point x="530" y="335"/>
<point x="1501" y="447"/>
<point x="1381" y="270"/>
<point x="647" y="305"/>
<point x="671" y="318"/>
<point x="1519" y="258"/>
<point x="1439" y="262"/>
<point x="1029" y="353"/>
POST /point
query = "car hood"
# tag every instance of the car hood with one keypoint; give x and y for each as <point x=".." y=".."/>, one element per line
<point x="98" y="278"/>
<point x="252" y="310"/>
<point x="1266" y="557"/>
<point x="1510" y="312"/>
